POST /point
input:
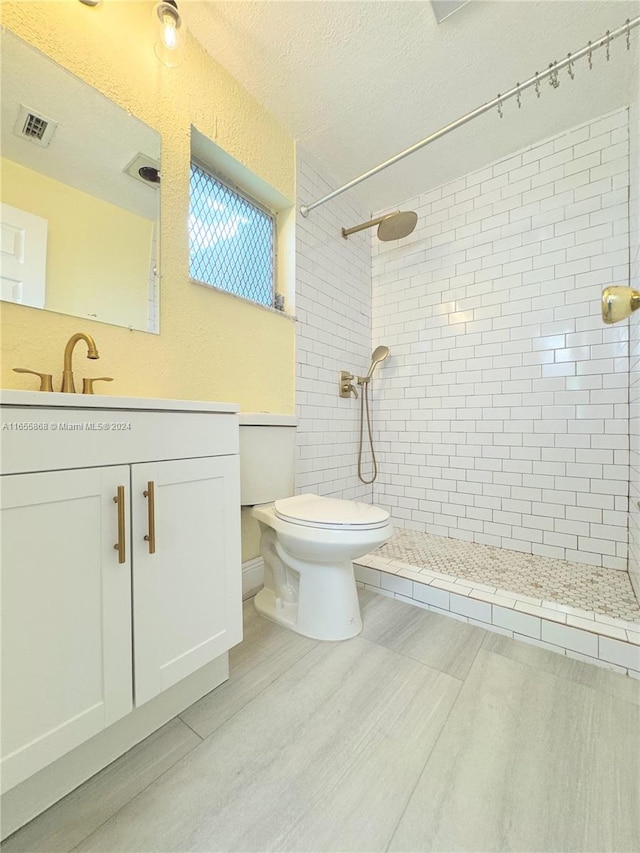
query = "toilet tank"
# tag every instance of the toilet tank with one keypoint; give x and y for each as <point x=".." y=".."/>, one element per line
<point x="267" y="457"/>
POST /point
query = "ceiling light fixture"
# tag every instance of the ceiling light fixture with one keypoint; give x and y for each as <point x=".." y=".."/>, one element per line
<point x="169" y="33"/>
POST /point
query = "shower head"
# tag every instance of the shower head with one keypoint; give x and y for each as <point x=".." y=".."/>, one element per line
<point x="392" y="226"/>
<point x="379" y="354"/>
<point x="395" y="226"/>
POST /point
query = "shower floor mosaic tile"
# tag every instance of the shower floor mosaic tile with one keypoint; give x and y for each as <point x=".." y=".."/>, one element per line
<point x="604" y="591"/>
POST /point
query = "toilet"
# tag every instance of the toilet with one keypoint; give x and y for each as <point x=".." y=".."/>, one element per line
<point x="307" y="542"/>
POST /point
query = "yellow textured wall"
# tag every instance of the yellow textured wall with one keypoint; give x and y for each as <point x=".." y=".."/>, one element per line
<point x="98" y="255"/>
<point x="211" y="346"/>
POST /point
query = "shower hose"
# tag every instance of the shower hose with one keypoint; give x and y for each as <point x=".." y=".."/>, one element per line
<point x="364" y="406"/>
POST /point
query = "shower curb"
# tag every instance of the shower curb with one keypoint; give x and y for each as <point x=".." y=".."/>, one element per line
<point x="580" y="634"/>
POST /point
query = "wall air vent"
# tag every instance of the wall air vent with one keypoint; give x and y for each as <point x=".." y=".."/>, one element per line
<point x="34" y="126"/>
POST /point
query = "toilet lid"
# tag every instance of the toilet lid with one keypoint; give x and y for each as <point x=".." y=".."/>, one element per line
<point x="314" y="511"/>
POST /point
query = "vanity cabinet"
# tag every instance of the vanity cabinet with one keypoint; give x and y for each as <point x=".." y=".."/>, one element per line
<point x="109" y="603"/>
<point x="181" y="592"/>
<point x="66" y="604"/>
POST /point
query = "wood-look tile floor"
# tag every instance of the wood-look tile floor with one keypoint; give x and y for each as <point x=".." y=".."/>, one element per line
<point x="421" y="734"/>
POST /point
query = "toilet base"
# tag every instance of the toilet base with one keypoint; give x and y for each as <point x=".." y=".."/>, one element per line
<point x="315" y="614"/>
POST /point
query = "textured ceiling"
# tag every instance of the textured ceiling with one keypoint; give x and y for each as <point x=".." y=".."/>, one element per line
<point x="357" y="82"/>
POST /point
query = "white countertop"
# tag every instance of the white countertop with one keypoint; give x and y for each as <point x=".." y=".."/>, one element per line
<point x="53" y="399"/>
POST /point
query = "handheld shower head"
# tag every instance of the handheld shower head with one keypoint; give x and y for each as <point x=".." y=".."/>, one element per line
<point x="379" y="354"/>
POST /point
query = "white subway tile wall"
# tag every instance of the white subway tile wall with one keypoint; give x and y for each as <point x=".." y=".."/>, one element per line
<point x="634" y="361"/>
<point x="333" y="307"/>
<point x="503" y="412"/>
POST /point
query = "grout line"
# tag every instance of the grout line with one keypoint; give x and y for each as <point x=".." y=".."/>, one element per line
<point x="195" y="746"/>
<point x="135" y="796"/>
<point x="179" y="717"/>
<point x="435" y="743"/>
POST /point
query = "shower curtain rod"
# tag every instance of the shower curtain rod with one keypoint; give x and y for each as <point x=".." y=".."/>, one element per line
<point x="551" y="71"/>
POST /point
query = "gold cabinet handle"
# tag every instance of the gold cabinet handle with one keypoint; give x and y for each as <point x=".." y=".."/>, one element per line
<point x="150" y="495"/>
<point x="120" y="546"/>
<point x="46" y="380"/>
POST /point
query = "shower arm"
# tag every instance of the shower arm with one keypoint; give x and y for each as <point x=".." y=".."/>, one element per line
<point x="347" y="231"/>
<point x="551" y="71"/>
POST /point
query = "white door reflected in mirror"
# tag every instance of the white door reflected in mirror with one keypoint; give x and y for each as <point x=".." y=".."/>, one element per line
<point x="23" y="258"/>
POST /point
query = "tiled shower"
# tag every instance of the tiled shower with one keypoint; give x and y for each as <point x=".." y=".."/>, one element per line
<point x="502" y="419"/>
<point x="333" y="308"/>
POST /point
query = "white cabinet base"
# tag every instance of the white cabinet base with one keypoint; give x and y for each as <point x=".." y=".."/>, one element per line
<point x="67" y="648"/>
<point x="28" y="799"/>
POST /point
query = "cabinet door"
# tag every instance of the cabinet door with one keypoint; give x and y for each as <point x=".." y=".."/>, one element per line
<point x="66" y="605"/>
<point x="187" y="596"/>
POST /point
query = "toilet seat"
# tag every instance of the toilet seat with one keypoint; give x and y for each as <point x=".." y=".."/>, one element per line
<point x="330" y="513"/>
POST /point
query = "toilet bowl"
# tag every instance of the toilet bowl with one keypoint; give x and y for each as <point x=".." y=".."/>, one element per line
<point x="307" y="542"/>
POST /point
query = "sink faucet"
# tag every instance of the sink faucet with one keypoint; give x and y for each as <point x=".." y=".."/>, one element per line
<point x="68" y="386"/>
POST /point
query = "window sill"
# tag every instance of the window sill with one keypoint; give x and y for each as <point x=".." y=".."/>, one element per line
<point x="269" y="308"/>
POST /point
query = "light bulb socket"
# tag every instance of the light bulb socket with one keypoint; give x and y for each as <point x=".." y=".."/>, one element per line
<point x="168" y="22"/>
<point x="164" y="9"/>
<point x="149" y="174"/>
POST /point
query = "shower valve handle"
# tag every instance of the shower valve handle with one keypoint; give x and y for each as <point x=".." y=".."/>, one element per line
<point x="346" y="386"/>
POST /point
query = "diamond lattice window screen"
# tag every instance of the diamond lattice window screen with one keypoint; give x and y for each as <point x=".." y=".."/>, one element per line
<point x="231" y="241"/>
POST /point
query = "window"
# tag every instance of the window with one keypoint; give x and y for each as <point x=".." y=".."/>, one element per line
<point x="231" y="240"/>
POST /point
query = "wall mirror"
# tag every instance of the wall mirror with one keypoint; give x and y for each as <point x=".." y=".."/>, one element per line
<point x="80" y="196"/>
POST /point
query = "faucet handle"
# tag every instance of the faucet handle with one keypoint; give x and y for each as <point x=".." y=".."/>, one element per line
<point x="87" y="382"/>
<point x="346" y="386"/>
<point x="46" y="379"/>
